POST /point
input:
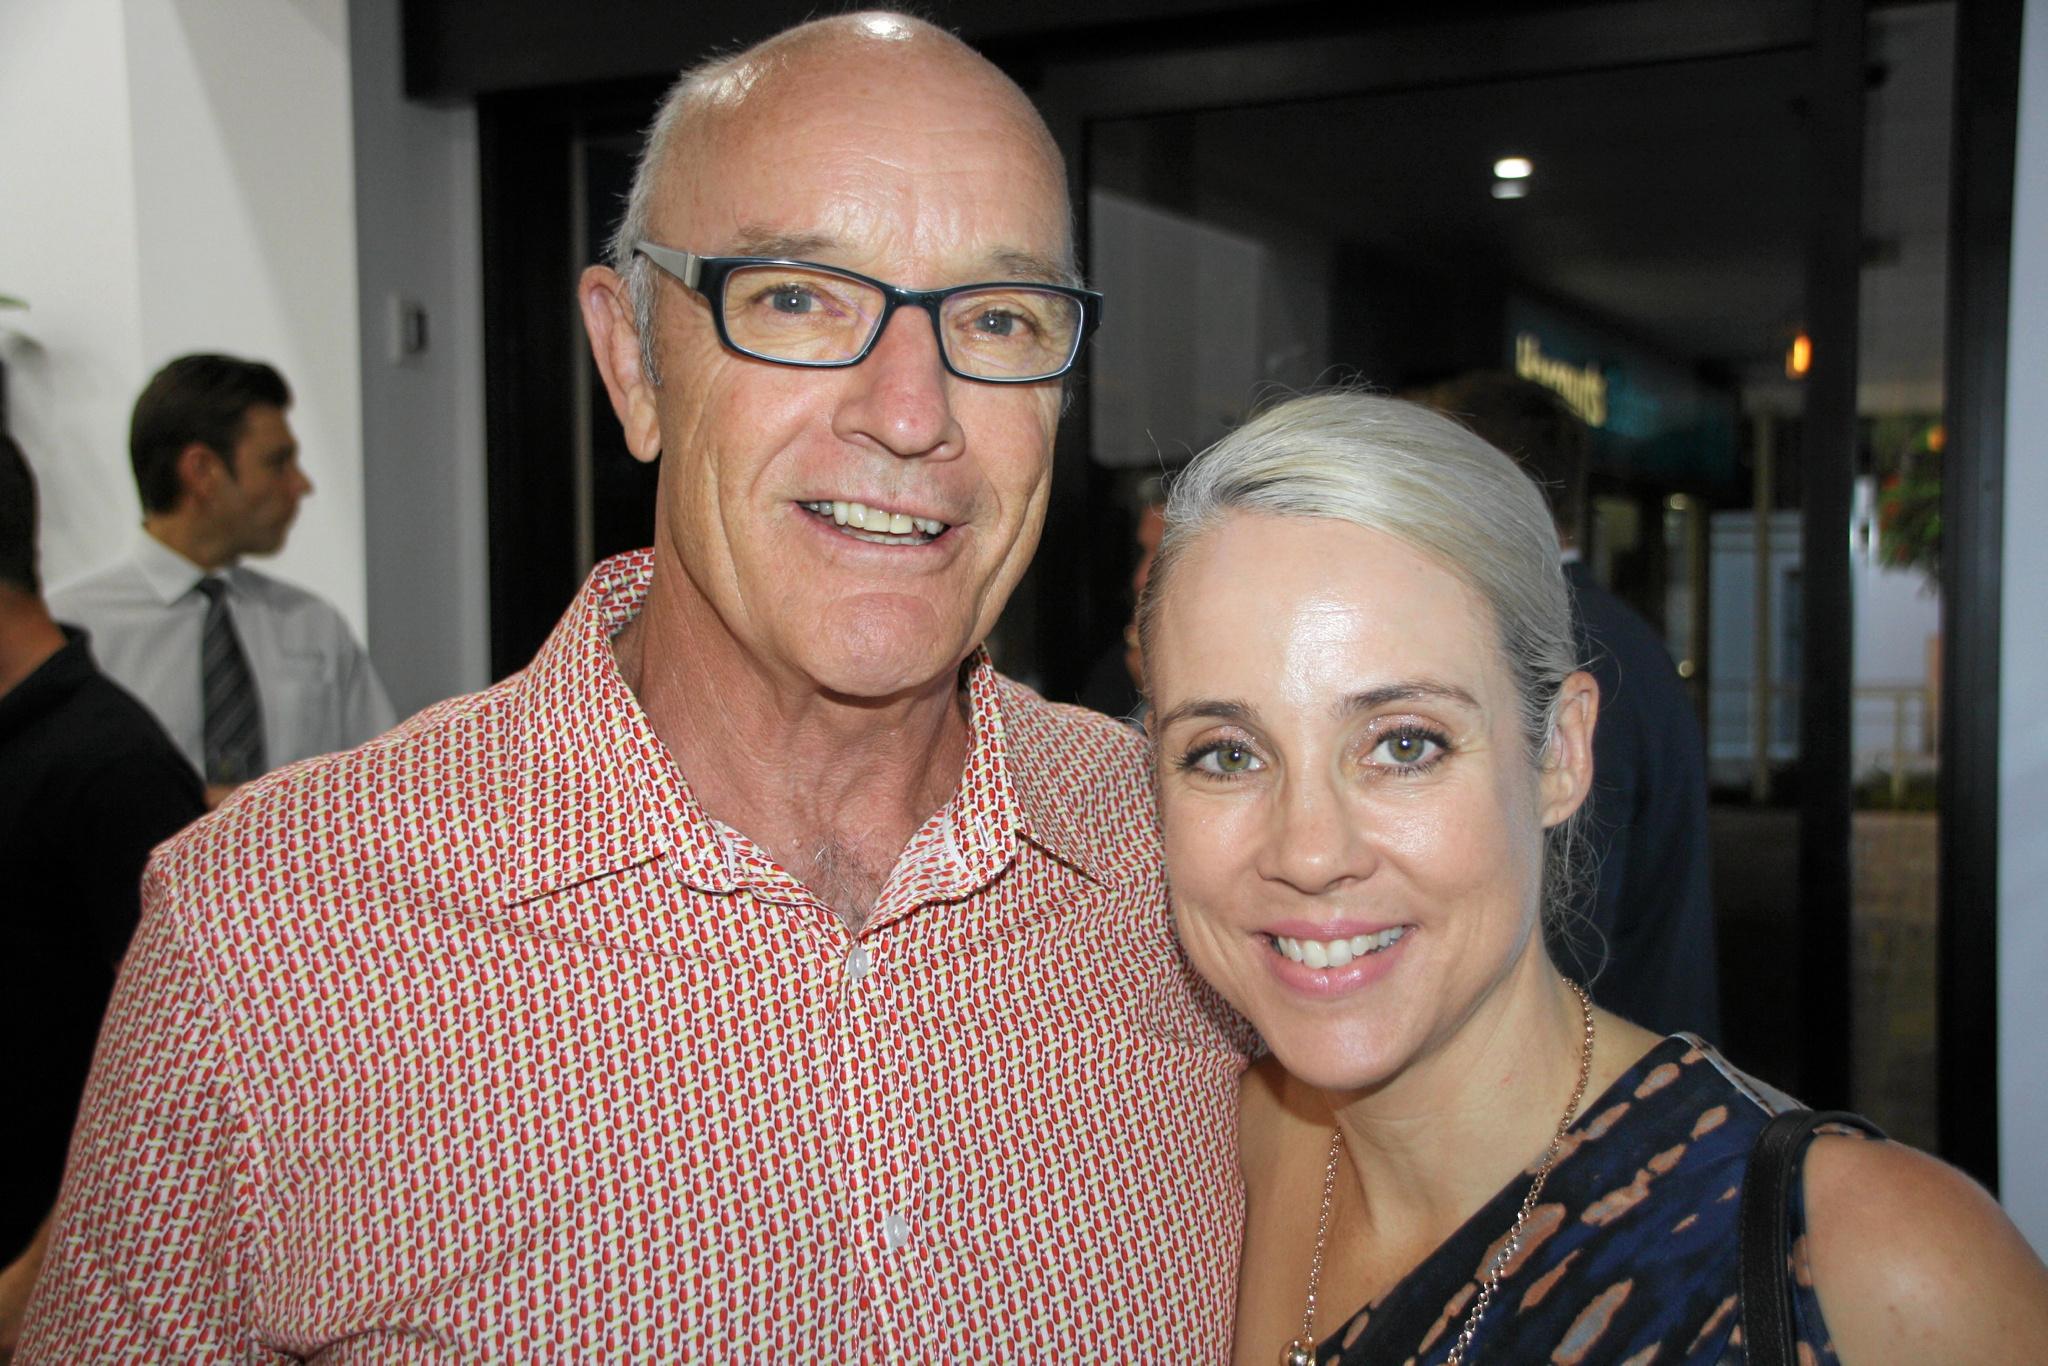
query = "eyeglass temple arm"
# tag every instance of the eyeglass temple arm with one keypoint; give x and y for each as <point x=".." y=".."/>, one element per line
<point x="681" y="264"/>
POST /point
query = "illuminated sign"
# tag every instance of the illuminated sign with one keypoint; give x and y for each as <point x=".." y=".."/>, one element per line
<point x="1583" y="388"/>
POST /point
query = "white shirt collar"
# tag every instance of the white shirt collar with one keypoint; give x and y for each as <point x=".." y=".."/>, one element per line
<point x="170" y="575"/>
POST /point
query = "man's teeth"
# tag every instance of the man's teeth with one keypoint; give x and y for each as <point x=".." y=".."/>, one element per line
<point x="1335" y="953"/>
<point x="878" y="521"/>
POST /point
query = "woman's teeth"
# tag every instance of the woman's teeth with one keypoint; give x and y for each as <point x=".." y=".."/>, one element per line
<point x="1335" y="953"/>
<point x="880" y="524"/>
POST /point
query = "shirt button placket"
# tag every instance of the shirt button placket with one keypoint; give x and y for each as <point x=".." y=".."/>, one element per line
<point x="865" y="1069"/>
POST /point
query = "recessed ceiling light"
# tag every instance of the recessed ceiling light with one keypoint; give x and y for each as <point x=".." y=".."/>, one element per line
<point x="1510" y="189"/>
<point x="1513" y="168"/>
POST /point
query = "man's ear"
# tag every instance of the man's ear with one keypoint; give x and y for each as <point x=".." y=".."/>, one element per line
<point x="615" y="346"/>
<point x="1568" y="763"/>
<point x="201" y="470"/>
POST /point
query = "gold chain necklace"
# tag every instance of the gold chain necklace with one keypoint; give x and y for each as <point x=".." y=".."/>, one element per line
<point x="1302" y="1350"/>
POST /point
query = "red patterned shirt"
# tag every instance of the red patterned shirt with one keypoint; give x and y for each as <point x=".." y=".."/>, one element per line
<point x="483" y="1041"/>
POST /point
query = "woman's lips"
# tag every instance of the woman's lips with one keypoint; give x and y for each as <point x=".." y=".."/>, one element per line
<point x="1325" y="962"/>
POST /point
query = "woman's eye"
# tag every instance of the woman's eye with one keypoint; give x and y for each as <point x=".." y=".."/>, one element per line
<point x="1407" y="749"/>
<point x="1226" y="759"/>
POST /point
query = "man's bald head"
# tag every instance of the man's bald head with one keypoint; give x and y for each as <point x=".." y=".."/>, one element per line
<point x="819" y="69"/>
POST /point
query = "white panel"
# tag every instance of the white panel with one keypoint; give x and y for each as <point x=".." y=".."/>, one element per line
<point x="244" y="183"/>
<point x="2023" y="719"/>
<point x="420" y="247"/>
<point x="67" y="245"/>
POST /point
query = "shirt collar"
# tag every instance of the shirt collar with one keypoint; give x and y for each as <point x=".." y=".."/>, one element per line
<point x="595" y="791"/>
<point x="168" y="574"/>
<point x="1065" y="770"/>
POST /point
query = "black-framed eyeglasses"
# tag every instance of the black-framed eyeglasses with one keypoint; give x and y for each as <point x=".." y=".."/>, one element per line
<point x="801" y="313"/>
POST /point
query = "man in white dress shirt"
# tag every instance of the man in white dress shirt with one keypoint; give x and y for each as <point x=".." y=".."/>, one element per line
<point x="245" y="671"/>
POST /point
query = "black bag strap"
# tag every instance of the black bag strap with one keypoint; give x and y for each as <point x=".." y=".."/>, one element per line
<point x="1766" y="1235"/>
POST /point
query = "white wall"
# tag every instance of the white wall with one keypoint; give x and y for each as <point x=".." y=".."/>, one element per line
<point x="419" y="241"/>
<point x="179" y="177"/>
<point x="2023" y="722"/>
<point x="67" y="245"/>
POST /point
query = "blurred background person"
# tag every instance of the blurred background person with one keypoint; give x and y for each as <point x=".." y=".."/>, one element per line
<point x="89" y="784"/>
<point x="1117" y="676"/>
<point x="1641" y="930"/>
<point x="245" y="671"/>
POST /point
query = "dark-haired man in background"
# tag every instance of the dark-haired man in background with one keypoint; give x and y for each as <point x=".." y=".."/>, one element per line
<point x="245" y="671"/>
<point x="88" y="785"/>
<point x="1650" y="955"/>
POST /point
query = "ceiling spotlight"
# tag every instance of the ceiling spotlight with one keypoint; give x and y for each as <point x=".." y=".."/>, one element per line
<point x="1510" y="189"/>
<point x="1513" y="168"/>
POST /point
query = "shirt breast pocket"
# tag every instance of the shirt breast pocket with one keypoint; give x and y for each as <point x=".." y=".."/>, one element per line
<point x="306" y="719"/>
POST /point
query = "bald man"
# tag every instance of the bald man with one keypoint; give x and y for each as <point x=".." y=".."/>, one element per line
<point x="758" y="973"/>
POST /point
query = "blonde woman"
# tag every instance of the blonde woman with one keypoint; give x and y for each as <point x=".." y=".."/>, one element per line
<point x="1372" y="738"/>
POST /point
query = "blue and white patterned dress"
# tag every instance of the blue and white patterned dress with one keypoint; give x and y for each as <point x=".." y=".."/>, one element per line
<point x="1631" y="1255"/>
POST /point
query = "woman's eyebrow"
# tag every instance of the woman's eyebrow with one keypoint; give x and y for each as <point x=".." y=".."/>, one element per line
<point x="1209" y="709"/>
<point x="1410" y="690"/>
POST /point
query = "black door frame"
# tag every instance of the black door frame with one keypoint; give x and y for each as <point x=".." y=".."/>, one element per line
<point x="1077" y="88"/>
<point x="1982" y="166"/>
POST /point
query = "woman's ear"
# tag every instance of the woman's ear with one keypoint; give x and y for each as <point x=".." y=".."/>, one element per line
<point x="1568" y="761"/>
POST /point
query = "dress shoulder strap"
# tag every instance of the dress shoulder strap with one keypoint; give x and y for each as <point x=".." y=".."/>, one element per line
<point x="1765" y="1229"/>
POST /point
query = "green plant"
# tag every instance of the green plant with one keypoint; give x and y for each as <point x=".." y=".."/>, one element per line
<point x="1908" y="454"/>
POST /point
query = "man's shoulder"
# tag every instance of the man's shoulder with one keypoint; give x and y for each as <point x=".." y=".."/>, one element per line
<point x="427" y="796"/>
<point x="118" y="723"/>
<point x="1083" y="781"/>
<point x="118" y="584"/>
<point x="97" y="738"/>
<point x="1083" y="742"/>
<point x="1629" y="658"/>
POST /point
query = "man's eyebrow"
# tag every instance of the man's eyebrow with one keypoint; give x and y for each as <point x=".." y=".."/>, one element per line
<point x="798" y="245"/>
<point x="1029" y="265"/>
<point x="1408" y="690"/>
<point x="1209" y="709"/>
<point x="1004" y="263"/>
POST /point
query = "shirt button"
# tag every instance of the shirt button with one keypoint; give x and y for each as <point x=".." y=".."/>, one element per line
<point x="895" y="1232"/>
<point x="859" y="963"/>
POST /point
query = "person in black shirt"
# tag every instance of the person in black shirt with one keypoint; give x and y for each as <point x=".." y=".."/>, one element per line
<point x="1644" y="938"/>
<point x="89" y="784"/>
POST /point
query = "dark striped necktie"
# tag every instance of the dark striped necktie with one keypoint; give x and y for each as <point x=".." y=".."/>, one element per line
<point x="234" y="718"/>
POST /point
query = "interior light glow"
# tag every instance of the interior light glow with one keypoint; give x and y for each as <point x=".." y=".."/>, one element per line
<point x="1513" y="168"/>
<point x="1510" y="189"/>
<point x="1799" y="359"/>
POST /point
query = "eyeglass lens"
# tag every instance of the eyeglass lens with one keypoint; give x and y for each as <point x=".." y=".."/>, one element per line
<point x="816" y="316"/>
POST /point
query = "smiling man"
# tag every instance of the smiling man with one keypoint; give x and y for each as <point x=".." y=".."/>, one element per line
<point x="758" y="972"/>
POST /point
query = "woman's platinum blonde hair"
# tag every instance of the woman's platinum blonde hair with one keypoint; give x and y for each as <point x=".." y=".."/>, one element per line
<point x="1407" y="472"/>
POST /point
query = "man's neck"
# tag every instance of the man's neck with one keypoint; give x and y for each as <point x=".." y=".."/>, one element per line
<point x="28" y="637"/>
<point x="832" y="787"/>
<point x="179" y="531"/>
